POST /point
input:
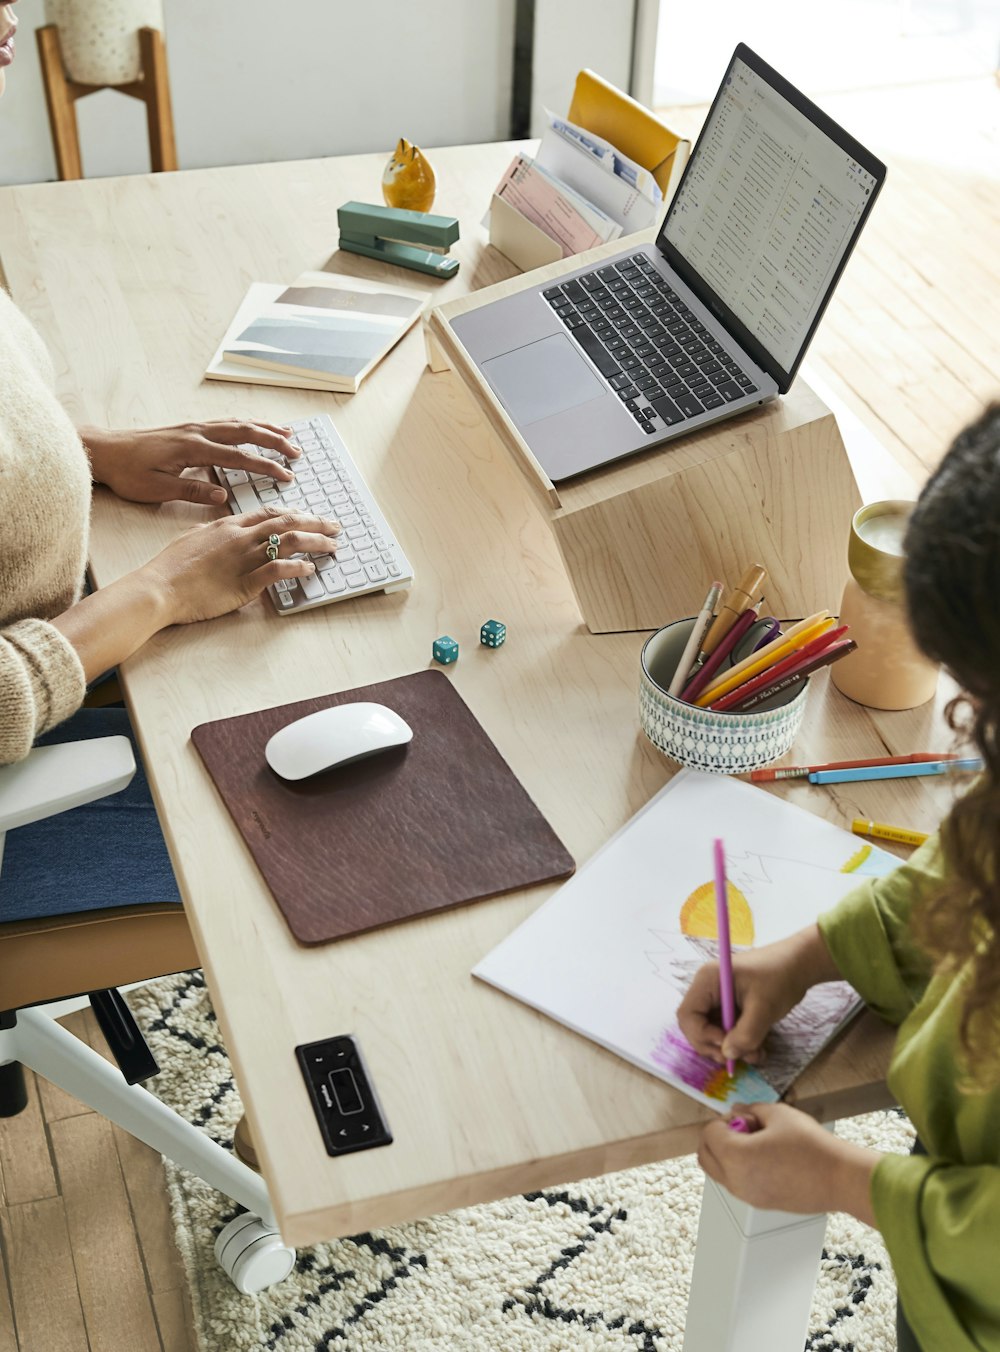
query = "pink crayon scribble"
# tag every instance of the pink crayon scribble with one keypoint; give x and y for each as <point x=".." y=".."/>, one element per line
<point x="674" y="1054"/>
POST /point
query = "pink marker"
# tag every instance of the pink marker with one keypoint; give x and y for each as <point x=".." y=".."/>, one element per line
<point x="739" y="1124"/>
<point x="725" y="955"/>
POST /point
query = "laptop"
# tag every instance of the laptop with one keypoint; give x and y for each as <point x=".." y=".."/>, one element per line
<point x="714" y="316"/>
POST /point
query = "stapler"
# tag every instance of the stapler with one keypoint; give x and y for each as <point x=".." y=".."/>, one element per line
<point x="396" y="236"/>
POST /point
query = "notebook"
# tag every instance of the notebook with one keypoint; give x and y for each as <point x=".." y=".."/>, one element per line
<point x="325" y="331"/>
<point x="712" y="318"/>
<point x="421" y="828"/>
<point x="611" y="954"/>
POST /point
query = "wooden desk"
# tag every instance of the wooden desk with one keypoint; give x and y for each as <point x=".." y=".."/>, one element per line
<point x="131" y="281"/>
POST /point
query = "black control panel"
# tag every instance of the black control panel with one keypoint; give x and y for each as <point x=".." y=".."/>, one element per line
<point x="343" y="1096"/>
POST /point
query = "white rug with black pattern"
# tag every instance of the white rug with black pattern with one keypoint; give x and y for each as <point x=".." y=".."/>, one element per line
<point x="602" y="1265"/>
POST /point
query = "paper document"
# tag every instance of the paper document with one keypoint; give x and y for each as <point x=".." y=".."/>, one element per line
<point x="617" y="185"/>
<point x="613" y="951"/>
<point x="539" y="200"/>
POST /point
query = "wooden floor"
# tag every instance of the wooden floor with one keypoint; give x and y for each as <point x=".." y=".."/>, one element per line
<point x="910" y="345"/>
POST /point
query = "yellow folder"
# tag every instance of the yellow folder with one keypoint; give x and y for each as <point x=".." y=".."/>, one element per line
<point x="609" y="113"/>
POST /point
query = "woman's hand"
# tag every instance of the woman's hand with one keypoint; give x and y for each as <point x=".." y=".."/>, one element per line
<point x="147" y="465"/>
<point x="767" y="983"/>
<point x="207" y="571"/>
<point x="788" y="1162"/>
<point x="220" y="566"/>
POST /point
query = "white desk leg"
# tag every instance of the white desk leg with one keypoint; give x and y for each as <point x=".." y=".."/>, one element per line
<point x="754" y="1276"/>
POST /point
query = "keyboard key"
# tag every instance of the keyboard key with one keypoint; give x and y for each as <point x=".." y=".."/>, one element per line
<point x="730" y="391"/>
<point x="284" y="600"/>
<point x="713" y="400"/>
<point x="357" y="580"/>
<point x="689" y="405"/>
<point x="244" y="497"/>
<point x="552" y="292"/>
<point x="376" y="572"/>
<point x="574" y="291"/>
<point x="334" y="583"/>
<point x="312" y="587"/>
<point x="668" y="411"/>
<point x="647" y="427"/>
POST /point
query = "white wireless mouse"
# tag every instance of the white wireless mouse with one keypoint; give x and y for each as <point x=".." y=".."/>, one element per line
<point x="334" y="736"/>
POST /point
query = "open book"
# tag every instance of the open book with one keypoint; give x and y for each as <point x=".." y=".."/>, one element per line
<point x="325" y="331"/>
<point x="613" y="951"/>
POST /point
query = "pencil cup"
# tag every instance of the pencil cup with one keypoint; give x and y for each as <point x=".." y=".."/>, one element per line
<point x="725" y="743"/>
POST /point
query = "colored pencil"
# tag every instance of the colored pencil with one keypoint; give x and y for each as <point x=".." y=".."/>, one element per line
<point x="797" y="637"/>
<point x="711" y="664"/>
<point x="693" y="646"/>
<point x="879" y="831"/>
<point x="772" y="673"/>
<point x="797" y="674"/>
<point x="895" y="771"/>
<point x="768" y="775"/>
<point x="726" y="993"/>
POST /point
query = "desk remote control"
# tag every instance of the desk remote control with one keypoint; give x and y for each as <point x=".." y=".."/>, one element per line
<point x="342" y="1095"/>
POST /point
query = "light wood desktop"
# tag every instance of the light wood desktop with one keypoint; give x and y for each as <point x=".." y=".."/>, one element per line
<point x="131" y="282"/>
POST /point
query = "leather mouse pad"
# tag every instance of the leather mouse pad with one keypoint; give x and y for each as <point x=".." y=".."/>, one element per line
<point x="438" y="822"/>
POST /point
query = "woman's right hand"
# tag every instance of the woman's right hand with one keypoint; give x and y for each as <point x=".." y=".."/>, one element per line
<point x="767" y="983"/>
<point x="219" y="566"/>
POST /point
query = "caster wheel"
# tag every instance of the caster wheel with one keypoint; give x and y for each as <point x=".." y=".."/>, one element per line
<point x="252" y="1254"/>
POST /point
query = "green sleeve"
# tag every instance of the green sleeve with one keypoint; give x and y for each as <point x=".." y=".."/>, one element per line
<point x="940" y="1226"/>
<point x="868" y="935"/>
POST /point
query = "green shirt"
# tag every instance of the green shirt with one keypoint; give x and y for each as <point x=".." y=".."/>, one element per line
<point x="939" y="1214"/>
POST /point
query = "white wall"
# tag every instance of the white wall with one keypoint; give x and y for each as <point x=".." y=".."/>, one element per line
<point x="256" y="80"/>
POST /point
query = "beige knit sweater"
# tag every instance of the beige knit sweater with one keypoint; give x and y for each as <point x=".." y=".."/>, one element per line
<point x="44" y="520"/>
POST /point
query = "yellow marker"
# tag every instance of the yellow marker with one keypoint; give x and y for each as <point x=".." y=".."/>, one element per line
<point x="880" y="831"/>
<point x="797" y="637"/>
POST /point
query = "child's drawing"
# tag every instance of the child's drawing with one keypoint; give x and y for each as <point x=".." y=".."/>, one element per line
<point x="614" y="949"/>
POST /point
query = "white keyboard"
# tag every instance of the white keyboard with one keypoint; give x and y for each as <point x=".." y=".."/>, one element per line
<point x="327" y="483"/>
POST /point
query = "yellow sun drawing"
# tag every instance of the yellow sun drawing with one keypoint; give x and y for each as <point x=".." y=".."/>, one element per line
<point x="698" y="915"/>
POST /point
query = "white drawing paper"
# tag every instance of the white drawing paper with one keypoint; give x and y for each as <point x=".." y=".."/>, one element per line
<point x="613" y="951"/>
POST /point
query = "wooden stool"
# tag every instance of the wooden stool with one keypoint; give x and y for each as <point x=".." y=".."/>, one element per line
<point x="61" y="93"/>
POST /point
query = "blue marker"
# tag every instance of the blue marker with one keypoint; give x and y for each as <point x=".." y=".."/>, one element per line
<point x="894" y="771"/>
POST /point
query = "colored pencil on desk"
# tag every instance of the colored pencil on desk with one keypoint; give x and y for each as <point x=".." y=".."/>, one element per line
<point x="895" y="771"/>
<point x="726" y="994"/>
<point x="879" y="831"/>
<point x="769" y="774"/>
<point x="693" y="646"/>
<point x="712" y="664"/>
<point x="779" y="669"/>
<point x="833" y="653"/>
<point x="797" y="637"/>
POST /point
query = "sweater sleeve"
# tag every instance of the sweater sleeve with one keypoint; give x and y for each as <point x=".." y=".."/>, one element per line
<point x="939" y="1221"/>
<point x="42" y="682"/>
<point x="868" y="935"/>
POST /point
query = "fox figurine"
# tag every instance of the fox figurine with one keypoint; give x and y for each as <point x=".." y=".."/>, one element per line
<point x="408" y="179"/>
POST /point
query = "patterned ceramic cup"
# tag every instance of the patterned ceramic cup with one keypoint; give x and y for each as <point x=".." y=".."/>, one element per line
<point x="728" y="744"/>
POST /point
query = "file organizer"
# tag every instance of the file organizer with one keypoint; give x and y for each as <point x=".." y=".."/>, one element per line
<point x="598" y="107"/>
<point x="639" y="537"/>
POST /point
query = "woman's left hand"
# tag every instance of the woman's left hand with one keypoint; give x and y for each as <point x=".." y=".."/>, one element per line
<point x="788" y="1162"/>
<point x="148" y="464"/>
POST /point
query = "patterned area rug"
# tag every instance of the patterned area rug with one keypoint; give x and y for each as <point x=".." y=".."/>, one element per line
<point x="602" y="1265"/>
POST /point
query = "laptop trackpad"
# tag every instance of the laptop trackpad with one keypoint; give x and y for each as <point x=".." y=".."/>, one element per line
<point x="542" y="378"/>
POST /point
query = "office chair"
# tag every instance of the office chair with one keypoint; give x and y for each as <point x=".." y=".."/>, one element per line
<point x="93" y="952"/>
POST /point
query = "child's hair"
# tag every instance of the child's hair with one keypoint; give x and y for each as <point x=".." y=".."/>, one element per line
<point x="952" y="579"/>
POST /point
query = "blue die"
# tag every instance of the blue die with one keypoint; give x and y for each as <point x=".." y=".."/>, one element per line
<point x="492" y="634"/>
<point x="445" y="650"/>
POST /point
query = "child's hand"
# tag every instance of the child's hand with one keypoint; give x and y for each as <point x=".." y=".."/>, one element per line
<point x="767" y="983"/>
<point x="788" y="1162"/>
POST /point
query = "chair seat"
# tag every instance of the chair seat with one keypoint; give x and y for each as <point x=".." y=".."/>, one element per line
<point x="56" y="957"/>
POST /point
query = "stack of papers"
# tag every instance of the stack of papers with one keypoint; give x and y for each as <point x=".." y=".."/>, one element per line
<point x="323" y="332"/>
<point x="580" y="190"/>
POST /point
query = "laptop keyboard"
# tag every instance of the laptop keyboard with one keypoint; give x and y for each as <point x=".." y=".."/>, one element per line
<point x="650" y="347"/>
<point x="327" y="483"/>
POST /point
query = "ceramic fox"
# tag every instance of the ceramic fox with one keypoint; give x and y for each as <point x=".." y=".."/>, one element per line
<point x="408" y="180"/>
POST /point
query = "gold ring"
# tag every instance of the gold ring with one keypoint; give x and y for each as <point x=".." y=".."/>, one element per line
<point x="271" y="547"/>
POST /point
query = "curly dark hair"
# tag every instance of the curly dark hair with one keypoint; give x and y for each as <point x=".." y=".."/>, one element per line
<point x="952" y="580"/>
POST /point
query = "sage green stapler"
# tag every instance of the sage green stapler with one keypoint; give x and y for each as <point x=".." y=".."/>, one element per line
<point x="412" y="239"/>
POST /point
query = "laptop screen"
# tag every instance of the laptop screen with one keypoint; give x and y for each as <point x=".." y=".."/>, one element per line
<point x="768" y="210"/>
